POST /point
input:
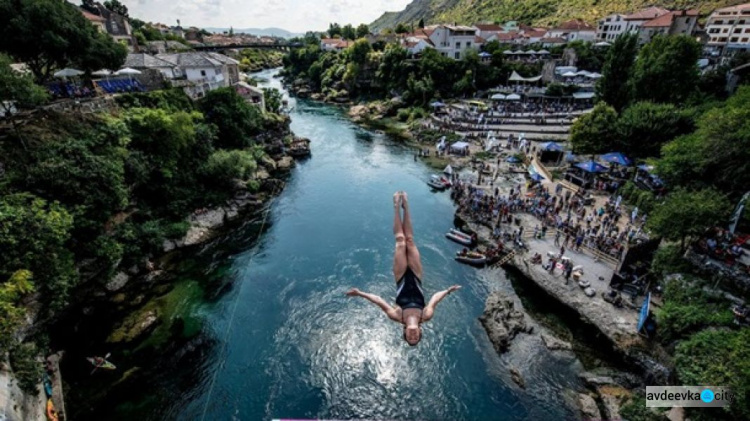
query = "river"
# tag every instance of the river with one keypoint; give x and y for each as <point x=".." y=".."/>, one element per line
<point x="280" y="339"/>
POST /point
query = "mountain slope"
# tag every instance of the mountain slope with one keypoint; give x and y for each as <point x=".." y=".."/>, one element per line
<point x="542" y="12"/>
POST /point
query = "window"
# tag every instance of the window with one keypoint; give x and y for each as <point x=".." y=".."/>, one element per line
<point x="737" y="30"/>
<point x="713" y="31"/>
<point x="458" y="45"/>
<point x="743" y="40"/>
<point x="733" y="39"/>
<point x="730" y="22"/>
<point x="747" y="30"/>
<point x="741" y="22"/>
<point x="457" y="55"/>
<point x="203" y="73"/>
<point x="725" y="30"/>
<point x="719" y="22"/>
<point x="468" y="44"/>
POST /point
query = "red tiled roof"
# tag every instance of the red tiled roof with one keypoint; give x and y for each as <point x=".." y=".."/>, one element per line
<point x="507" y="36"/>
<point x="534" y="34"/>
<point x="488" y="27"/>
<point x="660" y="22"/>
<point x="575" y="25"/>
<point x="331" y="41"/>
<point x="479" y="40"/>
<point x="92" y="17"/>
<point x="647" y="14"/>
<point x="553" y="40"/>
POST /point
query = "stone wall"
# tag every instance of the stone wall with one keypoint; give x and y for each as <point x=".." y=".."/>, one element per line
<point x="89" y="105"/>
<point x="15" y="405"/>
<point x="151" y="79"/>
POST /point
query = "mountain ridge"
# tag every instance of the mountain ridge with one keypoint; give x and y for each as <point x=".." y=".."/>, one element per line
<point x="536" y="12"/>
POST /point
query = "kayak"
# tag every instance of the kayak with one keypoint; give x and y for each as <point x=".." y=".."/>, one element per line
<point x="105" y="365"/>
<point x="51" y="413"/>
<point x="459" y="237"/>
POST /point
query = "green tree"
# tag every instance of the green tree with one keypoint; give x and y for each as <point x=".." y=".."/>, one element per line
<point x="688" y="214"/>
<point x="334" y="30"/>
<point x="236" y="120"/>
<point x="362" y="30"/>
<point x="682" y="162"/>
<point x="223" y="167"/>
<point x="391" y="73"/>
<point x="614" y="87"/>
<point x="644" y="127"/>
<point x="17" y="90"/>
<point x="46" y="35"/>
<point x="273" y="99"/>
<point x="667" y="69"/>
<point x="103" y="53"/>
<point x="594" y="133"/>
<point x="11" y="312"/>
<point x="117" y="7"/>
<point x="348" y="32"/>
<point x="34" y="238"/>
<point x="720" y="357"/>
<point x="359" y="50"/>
<point x="401" y="29"/>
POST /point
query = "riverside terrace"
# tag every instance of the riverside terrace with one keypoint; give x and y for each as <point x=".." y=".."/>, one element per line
<point x="538" y="120"/>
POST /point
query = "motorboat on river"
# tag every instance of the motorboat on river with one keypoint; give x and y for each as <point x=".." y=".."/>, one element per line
<point x="460" y="237"/>
<point x="471" y="258"/>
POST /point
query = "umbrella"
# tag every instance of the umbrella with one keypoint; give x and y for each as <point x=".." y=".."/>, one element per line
<point x="591" y="166"/>
<point x="552" y="146"/>
<point x="448" y="170"/>
<point x="616" y="158"/>
<point x="536" y="177"/>
<point x="102" y="72"/>
<point x="68" y="72"/>
<point x="569" y="74"/>
<point x="513" y="160"/>
<point x="485" y="54"/>
<point x="594" y="75"/>
<point x="583" y="73"/>
<point x="602" y="44"/>
<point x="513" y="97"/>
<point x="644" y="167"/>
<point x="507" y="52"/>
<point x="497" y="96"/>
<point x="437" y="104"/>
<point x="128" y="71"/>
<point x="542" y="52"/>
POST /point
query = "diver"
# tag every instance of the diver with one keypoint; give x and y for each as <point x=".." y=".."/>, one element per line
<point x="410" y="309"/>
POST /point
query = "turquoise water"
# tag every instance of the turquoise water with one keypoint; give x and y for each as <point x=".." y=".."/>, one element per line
<point x="298" y="347"/>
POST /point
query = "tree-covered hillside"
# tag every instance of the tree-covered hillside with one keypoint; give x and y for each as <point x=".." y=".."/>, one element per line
<point x="542" y="12"/>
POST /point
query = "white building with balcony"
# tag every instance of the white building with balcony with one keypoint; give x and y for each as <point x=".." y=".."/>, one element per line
<point x="453" y="41"/>
<point x="610" y="27"/>
<point x="728" y="29"/>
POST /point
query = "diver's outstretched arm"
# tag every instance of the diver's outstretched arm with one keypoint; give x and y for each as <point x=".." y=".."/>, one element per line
<point x="429" y="311"/>
<point x="392" y="313"/>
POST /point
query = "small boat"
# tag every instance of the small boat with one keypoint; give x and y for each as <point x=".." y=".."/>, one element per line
<point x="459" y="237"/>
<point x="472" y="258"/>
<point x="436" y="183"/>
<point x="102" y="363"/>
<point x="446" y="182"/>
<point x="51" y="413"/>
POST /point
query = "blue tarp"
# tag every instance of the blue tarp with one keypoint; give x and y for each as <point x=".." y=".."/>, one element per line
<point x="536" y="177"/>
<point x="437" y="104"/>
<point x="644" y="312"/>
<point x="552" y="146"/>
<point x="485" y="54"/>
<point x="591" y="166"/>
<point x="617" y="158"/>
<point x="513" y="160"/>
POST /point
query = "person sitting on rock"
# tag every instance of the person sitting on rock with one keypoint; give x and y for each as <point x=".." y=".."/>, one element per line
<point x="410" y="309"/>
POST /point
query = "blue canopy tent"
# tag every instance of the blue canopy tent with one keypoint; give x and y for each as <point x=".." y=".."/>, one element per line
<point x="437" y="104"/>
<point x="591" y="167"/>
<point x="617" y="158"/>
<point x="512" y="160"/>
<point x="552" y="146"/>
<point x="485" y="54"/>
<point x="536" y="177"/>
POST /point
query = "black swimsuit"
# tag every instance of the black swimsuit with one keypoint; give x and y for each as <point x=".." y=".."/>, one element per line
<point x="409" y="294"/>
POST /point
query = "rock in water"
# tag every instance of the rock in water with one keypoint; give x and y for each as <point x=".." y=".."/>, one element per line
<point x="589" y="410"/>
<point x="515" y="375"/>
<point x="553" y="343"/>
<point x="501" y="321"/>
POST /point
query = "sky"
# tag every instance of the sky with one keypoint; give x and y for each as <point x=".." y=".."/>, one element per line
<point x="293" y="15"/>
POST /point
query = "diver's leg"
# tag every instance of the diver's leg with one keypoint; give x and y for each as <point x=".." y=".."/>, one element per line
<point x="412" y="253"/>
<point x="399" y="255"/>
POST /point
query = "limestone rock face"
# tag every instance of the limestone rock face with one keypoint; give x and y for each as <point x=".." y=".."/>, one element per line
<point x="515" y="375"/>
<point x="502" y="321"/>
<point x="553" y="343"/>
<point x="285" y="163"/>
<point x="589" y="410"/>
<point x="118" y="281"/>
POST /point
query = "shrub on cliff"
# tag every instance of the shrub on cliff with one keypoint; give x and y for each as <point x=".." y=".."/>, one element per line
<point x="236" y="120"/>
<point x="688" y="308"/>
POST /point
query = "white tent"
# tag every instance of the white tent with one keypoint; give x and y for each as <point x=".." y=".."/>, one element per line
<point x="583" y="95"/>
<point x="602" y="44"/>
<point x="497" y="96"/>
<point x="542" y="52"/>
<point x="583" y="73"/>
<point x="128" y="71"/>
<point x="532" y="52"/>
<point x="515" y="77"/>
<point x="459" y="146"/>
<point x="507" y="52"/>
<point x="518" y="52"/>
<point x="594" y="75"/>
<point x="513" y="97"/>
<point x="490" y="144"/>
<point x="448" y="170"/>
<point x="102" y="72"/>
<point x="68" y="72"/>
<point x="569" y="74"/>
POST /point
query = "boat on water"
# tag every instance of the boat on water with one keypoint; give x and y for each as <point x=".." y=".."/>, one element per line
<point x="99" y="362"/>
<point x="436" y="183"/>
<point x="471" y="258"/>
<point x="460" y="237"/>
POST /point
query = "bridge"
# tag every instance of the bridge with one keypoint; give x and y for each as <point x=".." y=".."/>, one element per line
<point x="283" y="46"/>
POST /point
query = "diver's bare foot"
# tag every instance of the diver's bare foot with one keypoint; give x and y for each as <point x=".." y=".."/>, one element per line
<point x="397" y="199"/>
<point x="404" y="199"/>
